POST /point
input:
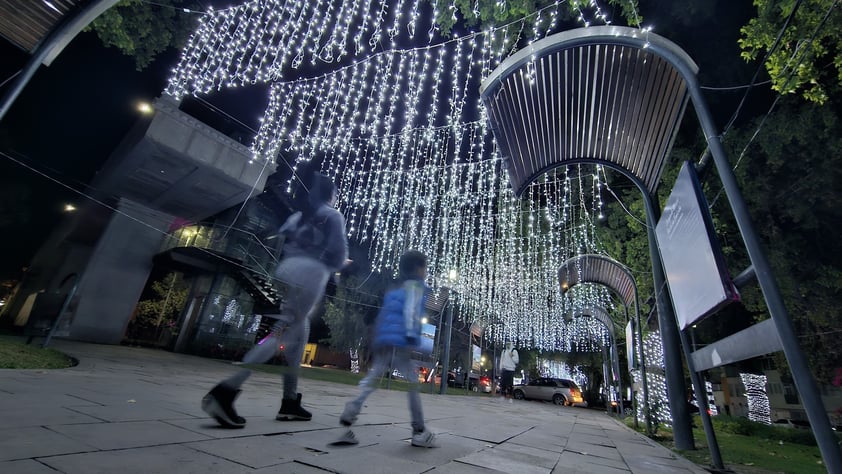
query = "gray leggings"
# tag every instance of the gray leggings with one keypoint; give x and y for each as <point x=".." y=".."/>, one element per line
<point x="393" y="358"/>
<point x="305" y="279"/>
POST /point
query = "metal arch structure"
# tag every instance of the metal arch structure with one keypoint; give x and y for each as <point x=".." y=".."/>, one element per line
<point x="594" y="268"/>
<point x="607" y="95"/>
<point x="599" y="269"/>
<point x="587" y="96"/>
<point x="620" y="104"/>
<point x="601" y="315"/>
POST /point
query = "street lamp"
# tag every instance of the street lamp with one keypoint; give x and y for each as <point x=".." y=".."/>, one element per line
<point x="145" y="108"/>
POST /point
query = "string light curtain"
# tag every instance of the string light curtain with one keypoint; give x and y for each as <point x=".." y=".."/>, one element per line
<point x="659" y="407"/>
<point x="390" y="110"/>
<point x="759" y="409"/>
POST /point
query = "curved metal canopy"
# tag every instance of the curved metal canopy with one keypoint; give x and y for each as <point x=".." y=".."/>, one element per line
<point x="603" y="94"/>
<point x="593" y="268"/>
<point x="479" y="325"/>
<point x="597" y="313"/>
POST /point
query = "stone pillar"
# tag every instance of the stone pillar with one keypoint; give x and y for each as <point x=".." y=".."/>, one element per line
<point x="117" y="272"/>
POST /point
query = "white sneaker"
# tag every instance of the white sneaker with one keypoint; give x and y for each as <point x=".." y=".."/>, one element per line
<point x="511" y="401"/>
<point x="424" y="439"/>
<point x="347" y="438"/>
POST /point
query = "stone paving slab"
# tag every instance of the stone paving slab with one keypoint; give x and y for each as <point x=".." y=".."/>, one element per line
<point x="134" y="434"/>
<point x="26" y="466"/>
<point x="125" y="410"/>
<point x="502" y="461"/>
<point x="170" y="458"/>
<point x="39" y="414"/>
<point x="573" y="461"/>
<point x="32" y="442"/>
<point x="252" y="451"/>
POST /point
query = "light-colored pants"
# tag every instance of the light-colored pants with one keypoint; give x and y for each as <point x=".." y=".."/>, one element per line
<point x="305" y="280"/>
<point x="391" y="358"/>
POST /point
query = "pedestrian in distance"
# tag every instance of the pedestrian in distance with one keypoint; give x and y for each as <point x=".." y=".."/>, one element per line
<point x="508" y="363"/>
<point x="397" y="332"/>
<point x="315" y="247"/>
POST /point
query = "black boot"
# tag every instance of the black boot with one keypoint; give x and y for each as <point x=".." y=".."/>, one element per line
<point x="219" y="404"/>
<point x="291" y="410"/>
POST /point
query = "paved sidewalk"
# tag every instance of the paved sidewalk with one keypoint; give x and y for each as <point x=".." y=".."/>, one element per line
<point x="129" y="410"/>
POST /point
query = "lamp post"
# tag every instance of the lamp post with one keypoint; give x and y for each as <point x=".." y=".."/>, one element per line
<point x="445" y="363"/>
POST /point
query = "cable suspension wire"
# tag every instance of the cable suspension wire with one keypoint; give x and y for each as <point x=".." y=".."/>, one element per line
<point x="761" y="66"/>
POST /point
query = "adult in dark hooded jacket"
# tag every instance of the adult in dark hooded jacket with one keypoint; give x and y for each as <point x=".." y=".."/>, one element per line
<point x="315" y="247"/>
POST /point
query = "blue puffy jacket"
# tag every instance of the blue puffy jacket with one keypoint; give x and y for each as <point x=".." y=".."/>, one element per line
<point x="399" y="322"/>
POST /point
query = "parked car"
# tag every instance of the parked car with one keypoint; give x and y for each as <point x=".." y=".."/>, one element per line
<point x="476" y="383"/>
<point x="792" y="424"/>
<point x="559" y="391"/>
<point x="628" y="407"/>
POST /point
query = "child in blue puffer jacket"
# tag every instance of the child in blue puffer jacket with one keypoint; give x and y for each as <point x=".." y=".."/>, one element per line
<point x="397" y="333"/>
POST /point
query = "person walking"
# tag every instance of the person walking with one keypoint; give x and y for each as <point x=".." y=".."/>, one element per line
<point x="315" y="247"/>
<point x="508" y="363"/>
<point x="397" y="333"/>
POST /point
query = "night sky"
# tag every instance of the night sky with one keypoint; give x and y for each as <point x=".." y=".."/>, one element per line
<point x="65" y="124"/>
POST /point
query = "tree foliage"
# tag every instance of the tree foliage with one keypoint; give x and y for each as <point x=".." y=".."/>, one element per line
<point x="790" y="183"/>
<point x="143" y="30"/>
<point x="349" y="313"/>
<point x="806" y="59"/>
<point x="163" y="310"/>
<point x="491" y="13"/>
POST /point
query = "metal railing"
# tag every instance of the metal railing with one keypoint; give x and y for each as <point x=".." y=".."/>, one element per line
<point x="242" y="246"/>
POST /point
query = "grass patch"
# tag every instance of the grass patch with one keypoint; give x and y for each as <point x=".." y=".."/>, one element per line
<point x="14" y="354"/>
<point x="749" y="447"/>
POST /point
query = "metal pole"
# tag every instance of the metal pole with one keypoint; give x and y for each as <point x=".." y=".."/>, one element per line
<point x="436" y="354"/>
<point x="801" y="374"/>
<point x="615" y="369"/>
<point x="673" y="370"/>
<point x="630" y="358"/>
<point x="702" y="401"/>
<point x="446" y="359"/>
<point x="605" y="381"/>
<point x="494" y="362"/>
<point x="64" y="307"/>
<point x="646" y="413"/>
<point x="63" y="33"/>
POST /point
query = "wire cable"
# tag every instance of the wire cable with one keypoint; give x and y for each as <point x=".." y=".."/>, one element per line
<point x="760" y="67"/>
<point x="10" y="78"/>
<point x="733" y="88"/>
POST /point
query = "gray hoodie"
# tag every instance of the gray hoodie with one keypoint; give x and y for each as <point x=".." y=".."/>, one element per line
<point x="322" y="237"/>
